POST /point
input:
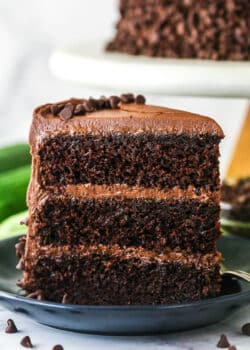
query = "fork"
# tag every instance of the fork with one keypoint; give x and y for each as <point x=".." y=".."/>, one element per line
<point x="237" y="273"/>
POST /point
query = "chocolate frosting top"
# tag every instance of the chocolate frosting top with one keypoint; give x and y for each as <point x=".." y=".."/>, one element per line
<point x="124" y="118"/>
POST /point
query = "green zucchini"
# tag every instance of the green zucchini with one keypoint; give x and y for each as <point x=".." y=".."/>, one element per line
<point x="11" y="227"/>
<point x="12" y="157"/>
<point x="13" y="187"/>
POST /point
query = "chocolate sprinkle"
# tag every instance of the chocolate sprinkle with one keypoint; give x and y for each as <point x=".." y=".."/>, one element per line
<point x="246" y="329"/>
<point x="26" y="342"/>
<point x="223" y="342"/>
<point x="57" y="347"/>
<point x="84" y="106"/>
<point x="11" y="327"/>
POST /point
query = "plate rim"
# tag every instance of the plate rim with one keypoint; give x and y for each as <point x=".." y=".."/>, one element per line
<point x="243" y="296"/>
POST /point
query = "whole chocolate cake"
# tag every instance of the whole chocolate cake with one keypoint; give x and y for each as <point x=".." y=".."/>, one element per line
<point x="123" y="204"/>
<point x="205" y="29"/>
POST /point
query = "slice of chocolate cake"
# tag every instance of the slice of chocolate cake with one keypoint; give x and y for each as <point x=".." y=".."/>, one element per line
<point x="123" y="204"/>
<point x="215" y="30"/>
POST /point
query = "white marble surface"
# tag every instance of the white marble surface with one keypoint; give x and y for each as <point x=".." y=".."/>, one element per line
<point x="29" y="30"/>
<point x="201" y="339"/>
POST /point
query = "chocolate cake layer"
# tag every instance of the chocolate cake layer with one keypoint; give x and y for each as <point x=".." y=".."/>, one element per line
<point x="216" y="30"/>
<point x="148" y="160"/>
<point x="151" y="223"/>
<point x="98" y="275"/>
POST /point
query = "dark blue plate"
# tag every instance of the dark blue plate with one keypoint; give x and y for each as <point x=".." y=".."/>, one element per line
<point x="137" y="319"/>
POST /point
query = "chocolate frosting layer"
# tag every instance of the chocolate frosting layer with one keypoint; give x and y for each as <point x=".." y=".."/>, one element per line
<point x="202" y="260"/>
<point x="128" y="118"/>
<point x="121" y="190"/>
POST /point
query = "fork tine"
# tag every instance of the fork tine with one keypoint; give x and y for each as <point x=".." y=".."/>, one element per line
<point x="238" y="273"/>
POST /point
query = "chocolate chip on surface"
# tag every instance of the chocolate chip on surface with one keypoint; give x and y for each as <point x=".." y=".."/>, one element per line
<point x="55" y="109"/>
<point x="102" y="102"/>
<point x="57" y="347"/>
<point x="79" y="109"/>
<point x="127" y="98"/>
<point x="75" y="107"/>
<point x="94" y="102"/>
<point x="88" y="106"/>
<point x="11" y="327"/>
<point x="232" y="347"/>
<point x="114" y="101"/>
<point x="140" y="99"/>
<point x="67" y="112"/>
<point x="26" y="342"/>
<point x="223" y="342"/>
<point x="246" y="329"/>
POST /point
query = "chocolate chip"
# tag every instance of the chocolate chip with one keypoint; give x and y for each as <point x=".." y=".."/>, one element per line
<point x="232" y="347"/>
<point x="127" y="98"/>
<point x="94" y="102"/>
<point x="26" y="342"/>
<point x="223" y="342"/>
<point x="57" y="347"/>
<point x="79" y="109"/>
<point x="56" y="108"/>
<point x="114" y="101"/>
<point x="11" y="327"/>
<point x="38" y="294"/>
<point x="20" y="246"/>
<point x="65" y="299"/>
<point x="20" y="265"/>
<point x="67" y="112"/>
<point x="216" y="29"/>
<point x="102" y="102"/>
<point x="140" y="100"/>
<point x="25" y="221"/>
<point x="246" y="329"/>
<point x="107" y="104"/>
<point x="20" y="283"/>
<point x="88" y="106"/>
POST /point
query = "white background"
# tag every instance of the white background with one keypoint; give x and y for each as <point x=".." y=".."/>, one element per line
<point x="29" y="31"/>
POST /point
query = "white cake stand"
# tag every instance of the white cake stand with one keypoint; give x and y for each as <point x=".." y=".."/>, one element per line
<point x="90" y="65"/>
<point x="162" y="80"/>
